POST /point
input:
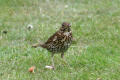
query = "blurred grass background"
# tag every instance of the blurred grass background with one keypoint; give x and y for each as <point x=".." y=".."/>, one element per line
<point x="95" y="26"/>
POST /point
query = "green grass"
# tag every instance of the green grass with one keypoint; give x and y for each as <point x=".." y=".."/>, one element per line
<point x="95" y="26"/>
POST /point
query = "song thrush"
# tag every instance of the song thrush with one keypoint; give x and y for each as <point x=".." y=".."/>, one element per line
<point x="59" y="42"/>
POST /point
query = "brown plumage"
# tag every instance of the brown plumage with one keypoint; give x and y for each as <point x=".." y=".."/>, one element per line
<point x="59" y="42"/>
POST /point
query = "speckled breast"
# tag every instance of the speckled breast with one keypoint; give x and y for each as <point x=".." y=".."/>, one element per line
<point x="61" y="45"/>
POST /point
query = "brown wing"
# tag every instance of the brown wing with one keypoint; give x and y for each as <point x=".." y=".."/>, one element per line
<point x="56" y="36"/>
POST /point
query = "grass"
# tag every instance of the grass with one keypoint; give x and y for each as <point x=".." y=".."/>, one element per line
<point x="94" y="54"/>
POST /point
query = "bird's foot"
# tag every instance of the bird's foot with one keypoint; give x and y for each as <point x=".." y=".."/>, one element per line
<point x="49" y="67"/>
<point x="64" y="61"/>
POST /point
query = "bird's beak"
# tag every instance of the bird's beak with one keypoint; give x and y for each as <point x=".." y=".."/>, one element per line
<point x="69" y="25"/>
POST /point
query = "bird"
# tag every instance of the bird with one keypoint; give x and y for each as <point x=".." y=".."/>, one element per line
<point x="59" y="42"/>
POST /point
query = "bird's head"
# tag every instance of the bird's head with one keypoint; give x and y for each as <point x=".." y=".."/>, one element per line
<point x="65" y="27"/>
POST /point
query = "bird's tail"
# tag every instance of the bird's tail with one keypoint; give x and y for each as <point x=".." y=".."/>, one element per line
<point x="38" y="45"/>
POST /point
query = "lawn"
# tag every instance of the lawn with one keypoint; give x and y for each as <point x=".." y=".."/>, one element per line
<point x="94" y="55"/>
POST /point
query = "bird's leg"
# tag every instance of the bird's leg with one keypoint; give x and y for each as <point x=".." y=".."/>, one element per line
<point x="52" y="59"/>
<point x="62" y="55"/>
